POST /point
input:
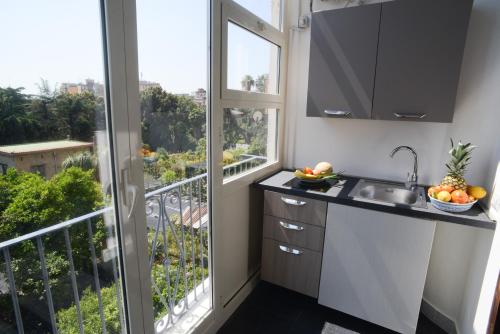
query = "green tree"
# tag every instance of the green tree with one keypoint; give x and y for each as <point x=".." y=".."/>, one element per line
<point x="173" y="122"/>
<point x="50" y="115"/>
<point x="261" y="83"/>
<point x="247" y="82"/>
<point x="67" y="320"/>
<point x="16" y="121"/>
<point x="85" y="160"/>
<point x="34" y="203"/>
<point x="79" y="115"/>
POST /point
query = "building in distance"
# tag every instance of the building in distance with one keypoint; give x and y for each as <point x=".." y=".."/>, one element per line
<point x="45" y="158"/>
<point x="89" y="85"/>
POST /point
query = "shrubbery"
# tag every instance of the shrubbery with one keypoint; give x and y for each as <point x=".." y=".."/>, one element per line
<point x="67" y="319"/>
<point x="31" y="203"/>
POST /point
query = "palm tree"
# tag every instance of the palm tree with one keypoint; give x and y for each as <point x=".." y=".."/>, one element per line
<point x="247" y="82"/>
<point x="84" y="160"/>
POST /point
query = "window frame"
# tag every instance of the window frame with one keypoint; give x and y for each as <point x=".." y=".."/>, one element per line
<point x="242" y="17"/>
<point x="229" y="98"/>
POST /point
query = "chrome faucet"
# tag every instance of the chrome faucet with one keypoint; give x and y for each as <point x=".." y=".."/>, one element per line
<point x="412" y="180"/>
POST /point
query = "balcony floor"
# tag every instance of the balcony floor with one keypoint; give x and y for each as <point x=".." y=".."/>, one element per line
<point x="272" y="309"/>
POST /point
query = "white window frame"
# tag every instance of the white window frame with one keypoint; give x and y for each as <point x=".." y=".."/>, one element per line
<point x="234" y="13"/>
<point x="230" y="98"/>
<point x="123" y="81"/>
<point x="220" y="98"/>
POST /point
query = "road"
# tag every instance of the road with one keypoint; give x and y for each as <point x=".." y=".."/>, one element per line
<point x="172" y="207"/>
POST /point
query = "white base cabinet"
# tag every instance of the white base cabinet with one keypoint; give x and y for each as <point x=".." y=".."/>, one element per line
<point x="374" y="265"/>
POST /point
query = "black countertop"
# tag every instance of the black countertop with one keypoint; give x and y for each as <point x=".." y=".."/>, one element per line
<point x="339" y="193"/>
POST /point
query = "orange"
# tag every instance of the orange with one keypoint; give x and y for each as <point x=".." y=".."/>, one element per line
<point x="460" y="197"/>
<point x="432" y="191"/>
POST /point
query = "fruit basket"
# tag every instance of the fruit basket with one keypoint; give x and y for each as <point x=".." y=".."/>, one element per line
<point x="451" y="207"/>
<point x="453" y="194"/>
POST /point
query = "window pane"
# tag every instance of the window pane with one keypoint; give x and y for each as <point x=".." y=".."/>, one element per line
<point x="55" y="172"/>
<point x="250" y="139"/>
<point x="173" y="58"/>
<point x="252" y="62"/>
<point x="268" y="10"/>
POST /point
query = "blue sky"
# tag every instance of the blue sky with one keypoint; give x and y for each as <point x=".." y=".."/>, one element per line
<point x="60" y="40"/>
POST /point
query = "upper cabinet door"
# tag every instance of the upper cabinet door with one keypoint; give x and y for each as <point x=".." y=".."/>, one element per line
<point x="342" y="62"/>
<point x="420" y="52"/>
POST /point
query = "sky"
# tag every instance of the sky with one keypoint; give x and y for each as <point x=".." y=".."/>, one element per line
<point x="60" y="41"/>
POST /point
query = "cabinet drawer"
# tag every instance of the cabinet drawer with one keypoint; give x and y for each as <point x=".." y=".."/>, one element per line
<point x="294" y="233"/>
<point x="292" y="267"/>
<point x="296" y="208"/>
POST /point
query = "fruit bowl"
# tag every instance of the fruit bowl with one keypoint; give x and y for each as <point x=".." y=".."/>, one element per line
<point x="322" y="172"/>
<point x="451" y="207"/>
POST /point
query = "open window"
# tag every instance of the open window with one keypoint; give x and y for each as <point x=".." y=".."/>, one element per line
<point x="251" y="81"/>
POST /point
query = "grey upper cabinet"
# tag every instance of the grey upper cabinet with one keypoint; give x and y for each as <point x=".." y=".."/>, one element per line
<point x="396" y="60"/>
<point x="342" y="62"/>
<point x="420" y="52"/>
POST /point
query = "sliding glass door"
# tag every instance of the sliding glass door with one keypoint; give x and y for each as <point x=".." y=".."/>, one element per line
<point x="62" y="267"/>
<point x="173" y="110"/>
<point x="104" y="202"/>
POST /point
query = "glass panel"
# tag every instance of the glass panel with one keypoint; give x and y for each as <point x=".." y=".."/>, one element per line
<point x="252" y="62"/>
<point x="250" y="139"/>
<point x="268" y="10"/>
<point x="173" y="57"/>
<point x="56" y="176"/>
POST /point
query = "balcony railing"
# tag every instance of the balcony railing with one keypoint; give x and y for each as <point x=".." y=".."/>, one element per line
<point x="177" y="219"/>
<point x="248" y="162"/>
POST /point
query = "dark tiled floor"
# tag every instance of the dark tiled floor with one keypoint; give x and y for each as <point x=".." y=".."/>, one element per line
<point x="272" y="309"/>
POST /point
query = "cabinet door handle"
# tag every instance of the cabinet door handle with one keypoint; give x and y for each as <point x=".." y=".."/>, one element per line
<point x="290" y="250"/>
<point x="291" y="201"/>
<point x="409" y="115"/>
<point x="291" y="226"/>
<point x="340" y="113"/>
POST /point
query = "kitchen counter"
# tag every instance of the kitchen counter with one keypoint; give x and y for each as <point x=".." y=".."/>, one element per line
<point x="339" y="193"/>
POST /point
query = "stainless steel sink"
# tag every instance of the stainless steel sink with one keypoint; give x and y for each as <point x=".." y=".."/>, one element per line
<point x="388" y="192"/>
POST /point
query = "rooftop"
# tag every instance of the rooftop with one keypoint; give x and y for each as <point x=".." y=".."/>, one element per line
<point x="44" y="146"/>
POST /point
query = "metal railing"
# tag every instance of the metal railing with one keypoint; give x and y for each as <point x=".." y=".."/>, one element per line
<point x="248" y="162"/>
<point x="177" y="218"/>
<point x="37" y="238"/>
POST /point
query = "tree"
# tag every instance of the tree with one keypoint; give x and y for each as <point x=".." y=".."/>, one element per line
<point x="67" y="321"/>
<point x="34" y="203"/>
<point x="79" y="115"/>
<point x="84" y="160"/>
<point x="15" y="119"/>
<point x="247" y="82"/>
<point x="261" y="83"/>
<point x="50" y="115"/>
<point x="173" y="122"/>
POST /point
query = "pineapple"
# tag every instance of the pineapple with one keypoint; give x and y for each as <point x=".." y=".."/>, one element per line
<point x="460" y="159"/>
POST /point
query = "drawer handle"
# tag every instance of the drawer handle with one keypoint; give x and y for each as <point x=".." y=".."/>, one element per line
<point x="409" y="115"/>
<point x="291" y="226"/>
<point x="340" y="113"/>
<point x="293" y="201"/>
<point x="290" y="250"/>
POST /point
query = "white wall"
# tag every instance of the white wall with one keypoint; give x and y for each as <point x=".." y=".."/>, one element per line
<point x="362" y="147"/>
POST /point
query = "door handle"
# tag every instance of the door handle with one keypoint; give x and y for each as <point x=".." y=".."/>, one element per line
<point x="291" y="226"/>
<point x="128" y="188"/>
<point x="410" y="115"/>
<point x="340" y="113"/>
<point x="290" y="250"/>
<point x="291" y="201"/>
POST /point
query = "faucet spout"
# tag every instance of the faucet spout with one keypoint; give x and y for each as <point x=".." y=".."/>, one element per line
<point x="413" y="178"/>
